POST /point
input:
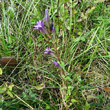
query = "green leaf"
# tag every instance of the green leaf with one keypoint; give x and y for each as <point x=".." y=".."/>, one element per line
<point x="40" y="87"/>
<point x="10" y="87"/>
<point x="68" y="79"/>
<point x="62" y="88"/>
<point x="73" y="100"/>
<point x="99" y="1"/>
<point x="9" y="93"/>
<point x="0" y="71"/>
<point x="82" y="39"/>
<point x="2" y="89"/>
<point x="91" y="97"/>
<point x="87" y="106"/>
<point x="89" y="11"/>
<point x="62" y="65"/>
<point x="11" y="12"/>
<point x="66" y="97"/>
<point x="47" y="107"/>
<point x="1" y="99"/>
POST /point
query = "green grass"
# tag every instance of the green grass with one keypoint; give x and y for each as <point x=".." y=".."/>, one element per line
<point x="81" y="45"/>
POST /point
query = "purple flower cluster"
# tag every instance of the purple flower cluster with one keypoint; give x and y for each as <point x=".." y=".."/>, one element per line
<point x="49" y="51"/>
<point x="40" y="24"/>
<point x="41" y="27"/>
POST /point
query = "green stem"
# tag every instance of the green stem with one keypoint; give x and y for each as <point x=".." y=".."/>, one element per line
<point x="31" y="108"/>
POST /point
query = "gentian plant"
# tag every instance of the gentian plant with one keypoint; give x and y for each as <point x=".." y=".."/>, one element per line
<point x="48" y="31"/>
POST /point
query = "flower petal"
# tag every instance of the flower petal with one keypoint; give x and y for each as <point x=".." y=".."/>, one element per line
<point x="53" y="29"/>
<point x="39" y="25"/>
<point x="56" y="63"/>
<point x="47" y="17"/>
<point x="47" y="50"/>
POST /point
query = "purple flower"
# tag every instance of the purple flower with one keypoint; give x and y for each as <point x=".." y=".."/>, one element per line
<point x="47" y="51"/>
<point x="46" y="17"/>
<point x="53" y="29"/>
<point x="40" y="26"/>
<point x="56" y="63"/>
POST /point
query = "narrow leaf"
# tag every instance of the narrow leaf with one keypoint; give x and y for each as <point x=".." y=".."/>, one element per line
<point x="0" y="71"/>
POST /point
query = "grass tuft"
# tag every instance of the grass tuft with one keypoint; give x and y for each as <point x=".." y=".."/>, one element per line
<point x="80" y="46"/>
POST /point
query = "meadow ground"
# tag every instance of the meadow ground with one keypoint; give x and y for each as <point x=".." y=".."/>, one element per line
<point x="62" y="49"/>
